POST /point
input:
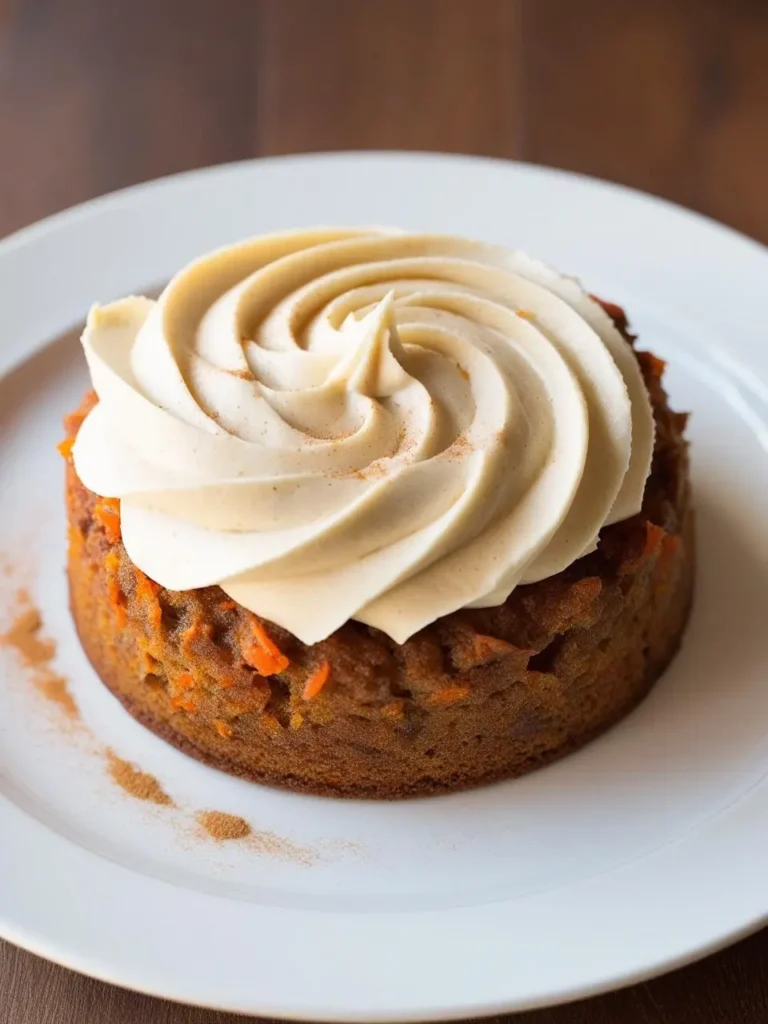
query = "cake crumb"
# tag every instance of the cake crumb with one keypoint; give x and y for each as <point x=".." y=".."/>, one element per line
<point x="135" y="782"/>
<point x="222" y="827"/>
<point x="36" y="652"/>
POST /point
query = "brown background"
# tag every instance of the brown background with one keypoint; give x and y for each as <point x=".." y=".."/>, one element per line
<point x="670" y="96"/>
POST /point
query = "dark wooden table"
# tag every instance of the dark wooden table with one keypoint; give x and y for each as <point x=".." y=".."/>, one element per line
<point x="670" y="96"/>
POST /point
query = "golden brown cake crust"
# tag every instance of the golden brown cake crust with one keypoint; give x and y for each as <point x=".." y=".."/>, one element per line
<point x="479" y="695"/>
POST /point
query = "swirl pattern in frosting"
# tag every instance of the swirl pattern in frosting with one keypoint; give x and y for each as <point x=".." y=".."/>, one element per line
<point x="367" y="424"/>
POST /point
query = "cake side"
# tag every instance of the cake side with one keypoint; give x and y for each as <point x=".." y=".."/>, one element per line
<point x="478" y="695"/>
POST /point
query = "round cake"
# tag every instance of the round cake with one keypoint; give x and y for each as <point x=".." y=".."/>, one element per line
<point x="365" y="513"/>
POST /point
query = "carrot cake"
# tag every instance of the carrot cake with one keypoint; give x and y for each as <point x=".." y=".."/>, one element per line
<point x="376" y="514"/>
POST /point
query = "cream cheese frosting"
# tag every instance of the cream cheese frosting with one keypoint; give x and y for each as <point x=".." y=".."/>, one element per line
<point x="363" y="423"/>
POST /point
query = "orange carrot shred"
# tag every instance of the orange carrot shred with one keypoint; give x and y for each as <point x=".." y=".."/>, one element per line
<point x="147" y="591"/>
<point x="111" y="562"/>
<point x="148" y="587"/>
<point x="449" y="694"/>
<point x="65" y="447"/>
<point x="106" y="512"/>
<point x="115" y="595"/>
<point x="264" y="654"/>
<point x="316" y="681"/>
<point x="185" y="703"/>
<point x="185" y="681"/>
<point x="222" y="728"/>
<point x="393" y="710"/>
<point x="654" y="535"/>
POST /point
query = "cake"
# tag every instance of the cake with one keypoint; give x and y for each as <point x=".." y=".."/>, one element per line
<point x="365" y="513"/>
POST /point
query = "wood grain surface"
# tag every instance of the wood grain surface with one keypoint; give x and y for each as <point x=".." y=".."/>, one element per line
<point x="670" y="96"/>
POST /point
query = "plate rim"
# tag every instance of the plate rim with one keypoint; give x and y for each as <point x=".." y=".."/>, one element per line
<point x="57" y="219"/>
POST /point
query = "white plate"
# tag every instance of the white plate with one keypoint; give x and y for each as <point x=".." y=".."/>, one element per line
<point x="639" y="853"/>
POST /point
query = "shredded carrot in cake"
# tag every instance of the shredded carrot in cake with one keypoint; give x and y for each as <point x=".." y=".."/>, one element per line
<point x="654" y="536"/>
<point x="147" y="586"/>
<point x="222" y="728"/>
<point x="185" y="681"/>
<point x="394" y="710"/>
<point x="107" y="513"/>
<point x="147" y="591"/>
<point x="264" y="654"/>
<point x="449" y="694"/>
<point x="317" y="681"/>
<point x="115" y="595"/>
<point x="65" y="447"/>
<point x="185" y="703"/>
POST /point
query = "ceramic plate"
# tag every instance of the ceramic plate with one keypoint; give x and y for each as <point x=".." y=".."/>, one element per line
<point x="641" y="852"/>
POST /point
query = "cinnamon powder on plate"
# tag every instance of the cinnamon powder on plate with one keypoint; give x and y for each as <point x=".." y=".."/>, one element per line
<point x="136" y="783"/>
<point x="36" y="652"/>
<point x="223" y="826"/>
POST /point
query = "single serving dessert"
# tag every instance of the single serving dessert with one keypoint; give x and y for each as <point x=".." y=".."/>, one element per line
<point x="369" y="513"/>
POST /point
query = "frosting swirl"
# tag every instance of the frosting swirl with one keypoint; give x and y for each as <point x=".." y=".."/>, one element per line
<point x="360" y="423"/>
